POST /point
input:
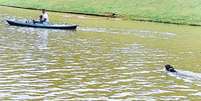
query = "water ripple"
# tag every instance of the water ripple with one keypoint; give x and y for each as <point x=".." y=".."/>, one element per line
<point x="38" y="64"/>
<point x="141" y="33"/>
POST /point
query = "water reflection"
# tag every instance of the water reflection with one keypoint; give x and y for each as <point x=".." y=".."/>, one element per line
<point x="42" y="42"/>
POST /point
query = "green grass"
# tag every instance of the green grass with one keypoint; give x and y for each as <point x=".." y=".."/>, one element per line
<point x="169" y="11"/>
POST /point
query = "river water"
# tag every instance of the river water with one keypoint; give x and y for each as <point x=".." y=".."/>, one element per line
<point x="104" y="59"/>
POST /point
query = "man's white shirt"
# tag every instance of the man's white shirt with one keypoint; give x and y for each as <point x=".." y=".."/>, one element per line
<point x="45" y="16"/>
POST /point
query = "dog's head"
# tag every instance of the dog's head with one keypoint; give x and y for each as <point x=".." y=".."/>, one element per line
<point x="169" y="68"/>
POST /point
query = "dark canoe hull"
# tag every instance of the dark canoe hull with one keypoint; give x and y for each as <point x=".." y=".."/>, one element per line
<point x="47" y="26"/>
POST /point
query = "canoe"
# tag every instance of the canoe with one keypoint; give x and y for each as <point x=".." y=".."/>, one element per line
<point x="39" y="25"/>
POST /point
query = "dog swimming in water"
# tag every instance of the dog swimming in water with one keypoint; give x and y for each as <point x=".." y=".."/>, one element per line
<point x="186" y="75"/>
<point x="170" y="68"/>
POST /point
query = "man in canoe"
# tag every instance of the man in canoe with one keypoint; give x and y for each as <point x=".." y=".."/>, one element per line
<point x="43" y="18"/>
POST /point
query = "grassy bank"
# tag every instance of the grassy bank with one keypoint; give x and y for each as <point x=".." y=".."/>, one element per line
<point x="167" y="11"/>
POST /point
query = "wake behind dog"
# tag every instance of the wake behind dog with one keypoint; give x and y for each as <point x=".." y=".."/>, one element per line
<point x="186" y="75"/>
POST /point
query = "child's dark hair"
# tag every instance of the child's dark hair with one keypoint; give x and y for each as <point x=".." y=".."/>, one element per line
<point x="41" y="16"/>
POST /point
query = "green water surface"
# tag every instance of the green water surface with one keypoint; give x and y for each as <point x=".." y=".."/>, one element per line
<point x="104" y="59"/>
